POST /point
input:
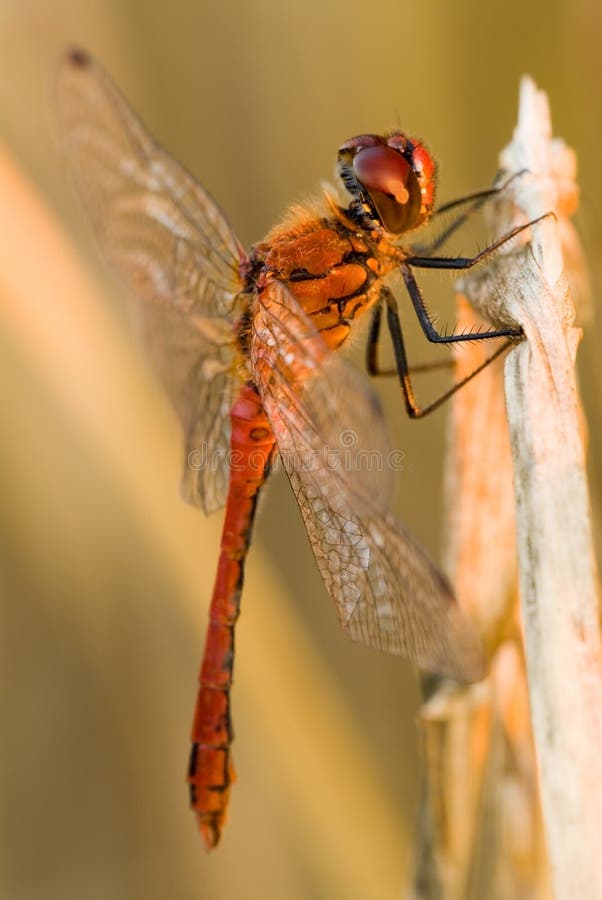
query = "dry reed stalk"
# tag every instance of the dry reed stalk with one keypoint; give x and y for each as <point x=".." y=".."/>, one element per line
<point x="485" y="831"/>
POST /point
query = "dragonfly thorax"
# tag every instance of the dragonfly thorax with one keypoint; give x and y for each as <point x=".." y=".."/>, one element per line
<point x="391" y="180"/>
<point x="333" y="269"/>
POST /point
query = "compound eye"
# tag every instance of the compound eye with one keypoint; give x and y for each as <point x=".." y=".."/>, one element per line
<point x="359" y="143"/>
<point x="400" y="142"/>
<point x="392" y="185"/>
<point x="382" y="169"/>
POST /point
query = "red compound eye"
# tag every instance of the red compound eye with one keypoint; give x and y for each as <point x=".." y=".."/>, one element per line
<point x="392" y="185"/>
<point x="424" y="163"/>
<point x="399" y="142"/>
<point x="393" y="174"/>
<point x="356" y="144"/>
<point x="382" y="169"/>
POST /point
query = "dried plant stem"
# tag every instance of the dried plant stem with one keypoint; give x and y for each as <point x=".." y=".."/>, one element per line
<point x="479" y="833"/>
<point x="559" y="602"/>
<point x="557" y="573"/>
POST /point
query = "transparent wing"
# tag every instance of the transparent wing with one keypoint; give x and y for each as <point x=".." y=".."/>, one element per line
<point x="387" y="592"/>
<point x="174" y="249"/>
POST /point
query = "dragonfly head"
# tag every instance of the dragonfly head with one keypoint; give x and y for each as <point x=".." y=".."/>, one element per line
<point x="391" y="180"/>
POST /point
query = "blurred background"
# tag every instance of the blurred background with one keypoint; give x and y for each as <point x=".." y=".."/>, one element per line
<point x="105" y="573"/>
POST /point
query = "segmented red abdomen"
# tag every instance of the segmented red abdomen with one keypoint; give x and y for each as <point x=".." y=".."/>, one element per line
<point x="211" y="771"/>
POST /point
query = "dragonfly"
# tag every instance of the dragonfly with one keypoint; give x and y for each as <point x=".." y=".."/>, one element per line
<point x="248" y="346"/>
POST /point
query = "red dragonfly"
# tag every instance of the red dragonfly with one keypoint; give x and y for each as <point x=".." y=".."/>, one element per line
<point x="245" y="343"/>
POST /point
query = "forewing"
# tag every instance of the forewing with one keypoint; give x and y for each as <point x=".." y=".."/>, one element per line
<point x="387" y="592"/>
<point x="174" y="249"/>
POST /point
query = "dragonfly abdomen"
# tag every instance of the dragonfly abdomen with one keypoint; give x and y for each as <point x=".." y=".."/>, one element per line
<point x="211" y="771"/>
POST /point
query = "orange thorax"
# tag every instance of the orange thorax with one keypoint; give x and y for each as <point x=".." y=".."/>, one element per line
<point x="333" y="270"/>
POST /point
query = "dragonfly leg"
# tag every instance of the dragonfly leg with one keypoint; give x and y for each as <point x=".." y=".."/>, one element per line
<point x="466" y="262"/>
<point x="415" y="411"/>
<point x="461" y="262"/>
<point x="479" y="196"/>
<point x="477" y="200"/>
<point x="372" y="364"/>
<point x="429" y="329"/>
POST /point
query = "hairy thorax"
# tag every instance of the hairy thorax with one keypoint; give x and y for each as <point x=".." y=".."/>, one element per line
<point x="333" y="270"/>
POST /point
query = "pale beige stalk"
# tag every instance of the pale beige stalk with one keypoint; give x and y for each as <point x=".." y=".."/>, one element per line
<point x="493" y="841"/>
<point x="557" y="570"/>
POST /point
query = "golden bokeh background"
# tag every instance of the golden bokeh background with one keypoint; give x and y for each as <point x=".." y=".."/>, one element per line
<point x="106" y="574"/>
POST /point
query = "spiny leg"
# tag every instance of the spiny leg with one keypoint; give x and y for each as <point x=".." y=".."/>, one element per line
<point x="402" y="368"/>
<point x="457" y="263"/>
<point x="477" y="200"/>
<point x="372" y="364"/>
<point x="415" y="411"/>
<point x="461" y="262"/>
<point x="481" y="196"/>
<point x="466" y="262"/>
<point x="429" y="329"/>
